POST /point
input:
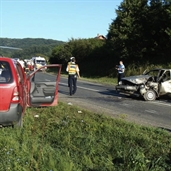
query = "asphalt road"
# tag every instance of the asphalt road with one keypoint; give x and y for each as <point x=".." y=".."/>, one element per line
<point x="104" y="99"/>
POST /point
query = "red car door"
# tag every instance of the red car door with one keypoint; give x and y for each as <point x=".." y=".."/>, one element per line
<point x="22" y="84"/>
<point x="42" y="86"/>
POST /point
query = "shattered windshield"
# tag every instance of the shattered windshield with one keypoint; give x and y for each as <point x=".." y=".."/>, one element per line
<point x="153" y="73"/>
<point x="41" y="62"/>
<point x="160" y="74"/>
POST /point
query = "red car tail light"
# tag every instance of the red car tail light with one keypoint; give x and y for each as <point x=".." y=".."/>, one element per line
<point x="15" y="95"/>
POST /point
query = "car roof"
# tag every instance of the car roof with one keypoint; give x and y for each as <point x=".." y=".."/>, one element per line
<point x="7" y="59"/>
<point x="159" y="69"/>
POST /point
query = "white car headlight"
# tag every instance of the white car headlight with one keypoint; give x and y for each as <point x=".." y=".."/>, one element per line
<point x="142" y="86"/>
<point x="120" y="83"/>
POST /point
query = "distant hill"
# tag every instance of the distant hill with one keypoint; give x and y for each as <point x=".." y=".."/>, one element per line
<point x="30" y="47"/>
<point x="28" y="42"/>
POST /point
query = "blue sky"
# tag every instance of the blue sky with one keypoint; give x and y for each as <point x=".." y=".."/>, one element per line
<point x="56" y="19"/>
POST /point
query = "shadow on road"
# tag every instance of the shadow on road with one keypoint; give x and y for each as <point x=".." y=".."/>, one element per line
<point x="115" y="93"/>
<point x="63" y="92"/>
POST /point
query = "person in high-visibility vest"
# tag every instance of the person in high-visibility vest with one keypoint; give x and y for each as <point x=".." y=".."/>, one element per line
<point x="67" y="65"/>
<point x="73" y="73"/>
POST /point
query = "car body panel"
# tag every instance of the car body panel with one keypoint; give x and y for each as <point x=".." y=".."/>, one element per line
<point x="165" y="87"/>
<point x="137" y="79"/>
<point x="12" y="115"/>
<point x="5" y="96"/>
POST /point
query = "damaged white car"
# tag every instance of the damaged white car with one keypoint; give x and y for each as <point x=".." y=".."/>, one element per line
<point x="150" y="85"/>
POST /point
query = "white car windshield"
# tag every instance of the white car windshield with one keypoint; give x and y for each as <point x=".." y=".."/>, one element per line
<point x="153" y="72"/>
<point x="41" y="62"/>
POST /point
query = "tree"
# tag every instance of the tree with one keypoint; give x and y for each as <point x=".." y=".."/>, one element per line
<point x="141" y="31"/>
<point x="91" y="55"/>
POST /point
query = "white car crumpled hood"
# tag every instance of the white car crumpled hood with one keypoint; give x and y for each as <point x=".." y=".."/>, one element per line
<point x="138" y="79"/>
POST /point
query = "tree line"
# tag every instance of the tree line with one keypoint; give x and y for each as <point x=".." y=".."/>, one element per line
<point x="30" y="47"/>
<point x="139" y="35"/>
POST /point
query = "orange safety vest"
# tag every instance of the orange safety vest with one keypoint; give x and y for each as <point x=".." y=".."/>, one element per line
<point x="72" y="69"/>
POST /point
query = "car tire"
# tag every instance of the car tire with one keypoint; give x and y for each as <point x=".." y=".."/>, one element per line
<point x="150" y="95"/>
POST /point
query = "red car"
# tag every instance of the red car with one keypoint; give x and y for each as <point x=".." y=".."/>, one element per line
<point x="18" y="91"/>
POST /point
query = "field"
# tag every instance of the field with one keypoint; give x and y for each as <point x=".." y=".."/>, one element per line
<point x="68" y="138"/>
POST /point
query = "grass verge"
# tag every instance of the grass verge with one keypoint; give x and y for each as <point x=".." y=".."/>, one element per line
<point x="104" y="80"/>
<point x="67" y="138"/>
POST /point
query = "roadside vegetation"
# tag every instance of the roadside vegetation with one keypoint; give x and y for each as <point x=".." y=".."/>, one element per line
<point x="103" y="80"/>
<point x="68" y="138"/>
<point x="129" y="71"/>
<point x="30" y="47"/>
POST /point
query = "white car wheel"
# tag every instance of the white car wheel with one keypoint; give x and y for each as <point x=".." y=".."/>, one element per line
<point x="150" y="95"/>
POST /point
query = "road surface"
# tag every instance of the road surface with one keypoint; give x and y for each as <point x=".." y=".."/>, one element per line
<point x="104" y="99"/>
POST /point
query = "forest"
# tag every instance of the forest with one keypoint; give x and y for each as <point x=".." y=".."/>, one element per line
<point x="27" y="47"/>
<point x="139" y="35"/>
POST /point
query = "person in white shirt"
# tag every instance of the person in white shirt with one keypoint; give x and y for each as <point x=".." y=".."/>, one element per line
<point x="121" y="70"/>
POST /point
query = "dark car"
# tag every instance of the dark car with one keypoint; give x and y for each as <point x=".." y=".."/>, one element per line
<point x="17" y="92"/>
<point x="150" y="85"/>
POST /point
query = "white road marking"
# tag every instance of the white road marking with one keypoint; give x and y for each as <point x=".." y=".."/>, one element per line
<point x="83" y="87"/>
<point x="88" y="88"/>
<point x="62" y="83"/>
<point x="125" y="104"/>
<point x="151" y="111"/>
<point x="160" y="103"/>
<point x="89" y="82"/>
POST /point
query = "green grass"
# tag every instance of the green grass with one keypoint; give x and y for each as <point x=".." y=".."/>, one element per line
<point x="104" y="80"/>
<point x="134" y="70"/>
<point x="67" y="138"/>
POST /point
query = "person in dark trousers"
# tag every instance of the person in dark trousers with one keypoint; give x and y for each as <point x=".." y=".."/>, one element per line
<point x="68" y="64"/>
<point x="121" y="70"/>
<point x="73" y="72"/>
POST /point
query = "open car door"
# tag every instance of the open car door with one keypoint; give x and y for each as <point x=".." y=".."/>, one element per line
<point x="42" y="86"/>
<point x="165" y="83"/>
